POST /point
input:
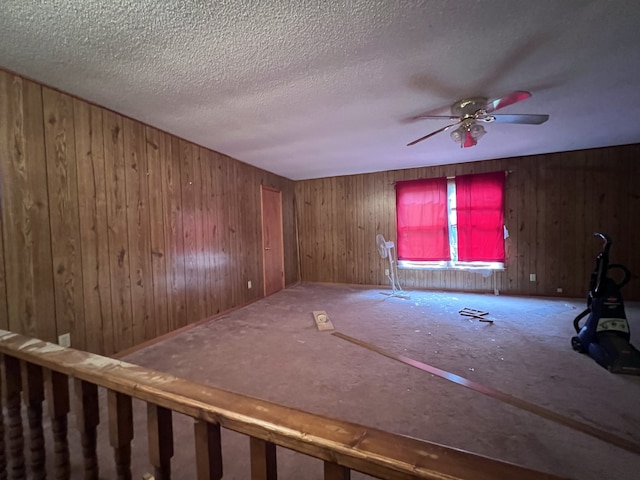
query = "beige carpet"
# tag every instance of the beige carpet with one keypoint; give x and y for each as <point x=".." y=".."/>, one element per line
<point x="273" y="350"/>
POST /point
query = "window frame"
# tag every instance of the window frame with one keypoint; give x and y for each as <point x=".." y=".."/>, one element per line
<point x="454" y="263"/>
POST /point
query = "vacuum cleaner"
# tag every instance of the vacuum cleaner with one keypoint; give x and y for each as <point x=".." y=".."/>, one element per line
<point x="605" y="336"/>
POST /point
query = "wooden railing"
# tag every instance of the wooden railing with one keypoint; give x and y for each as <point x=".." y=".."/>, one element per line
<point x="33" y="370"/>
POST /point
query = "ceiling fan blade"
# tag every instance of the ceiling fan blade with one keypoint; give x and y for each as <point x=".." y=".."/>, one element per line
<point x="507" y="100"/>
<point x="433" y="133"/>
<point x="528" y="119"/>
<point x="435" y="117"/>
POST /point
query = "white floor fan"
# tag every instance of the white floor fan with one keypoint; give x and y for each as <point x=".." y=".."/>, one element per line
<point x="385" y="249"/>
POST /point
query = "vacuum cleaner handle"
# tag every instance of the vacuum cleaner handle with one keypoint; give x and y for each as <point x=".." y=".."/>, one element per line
<point x="607" y="242"/>
<point x="602" y="265"/>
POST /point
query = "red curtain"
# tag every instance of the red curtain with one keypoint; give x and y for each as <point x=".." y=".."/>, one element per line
<point x="421" y="209"/>
<point x="480" y="210"/>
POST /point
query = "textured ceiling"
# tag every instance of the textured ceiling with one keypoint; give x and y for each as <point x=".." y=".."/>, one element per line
<point x="319" y="88"/>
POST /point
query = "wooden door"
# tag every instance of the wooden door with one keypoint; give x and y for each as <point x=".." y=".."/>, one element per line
<point x="272" y="240"/>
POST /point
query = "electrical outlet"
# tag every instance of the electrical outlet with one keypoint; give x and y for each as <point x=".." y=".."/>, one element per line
<point x="559" y="290"/>
<point x="249" y="284"/>
<point x="386" y="272"/>
<point x="64" y="340"/>
<point x="532" y="277"/>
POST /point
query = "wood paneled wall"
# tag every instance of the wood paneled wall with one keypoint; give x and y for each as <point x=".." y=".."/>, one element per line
<point x="117" y="232"/>
<point x="554" y="203"/>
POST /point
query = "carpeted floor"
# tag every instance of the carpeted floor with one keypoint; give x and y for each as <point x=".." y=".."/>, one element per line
<point x="273" y="350"/>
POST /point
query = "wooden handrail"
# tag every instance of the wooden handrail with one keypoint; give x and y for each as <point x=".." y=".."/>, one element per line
<point x="342" y="445"/>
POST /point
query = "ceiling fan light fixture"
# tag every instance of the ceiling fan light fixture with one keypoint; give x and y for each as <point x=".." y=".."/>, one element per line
<point x="477" y="131"/>
<point x="457" y="135"/>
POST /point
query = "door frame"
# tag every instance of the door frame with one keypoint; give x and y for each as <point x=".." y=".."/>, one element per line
<point x="281" y="229"/>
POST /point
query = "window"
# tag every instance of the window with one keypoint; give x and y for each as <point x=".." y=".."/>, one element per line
<point x="421" y="207"/>
<point x="451" y="223"/>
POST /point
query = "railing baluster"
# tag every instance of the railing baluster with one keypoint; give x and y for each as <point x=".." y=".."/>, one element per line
<point x="263" y="460"/>
<point x="87" y="419"/>
<point x="160" y="430"/>
<point x="121" y="431"/>
<point x="33" y="379"/>
<point x="3" y="455"/>
<point x="208" y="450"/>
<point x="333" y="471"/>
<point x="23" y="362"/>
<point x="57" y="390"/>
<point x="15" y="436"/>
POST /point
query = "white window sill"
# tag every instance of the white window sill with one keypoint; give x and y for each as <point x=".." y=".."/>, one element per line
<point x="471" y="266"/>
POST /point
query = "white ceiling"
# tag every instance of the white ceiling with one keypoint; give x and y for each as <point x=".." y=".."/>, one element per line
<point x="314" y="88"/>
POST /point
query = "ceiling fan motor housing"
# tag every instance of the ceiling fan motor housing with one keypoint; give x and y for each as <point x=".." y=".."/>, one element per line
<point x="468" y="107"/>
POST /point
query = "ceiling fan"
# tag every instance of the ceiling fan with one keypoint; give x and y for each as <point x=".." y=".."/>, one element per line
<point x="471" y="112"/>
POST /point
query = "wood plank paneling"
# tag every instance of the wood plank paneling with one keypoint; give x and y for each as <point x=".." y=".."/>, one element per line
<point x="138" y="231"/>
<point x="553" y="203"/>
<point x="340" y="247"/>
<point x="631" y="235"/>
<point x="4" y="314"/>
<point x="207" y="226"/>
<point x="231" y="208"/>
<point x="582" y="269"/>
<point x="117" y="231"/>
<point x="250" y="212"/>
<point x="189" y="230"/>
<point x="310" y="214"/>
<point x="241" y="213"/>
<point x="370" y="231"/>
<point x="222" y="284"/>
<point x="291" y="263"/>
<point x="539" y="199"/>
<point x="511" y="223"/>
<point x="214" y="247"/>
<point x="174" y="237"/>
<point x="36" y="200"/>
<point x="62" y="183"/>
<point x="200" y="264"/>
<point x="5" y="155"/>
<point x="526" y="223"/>
<point x="156" y="157"/>
<point x="93" y="226"/>
<point x="28" y="264"/>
